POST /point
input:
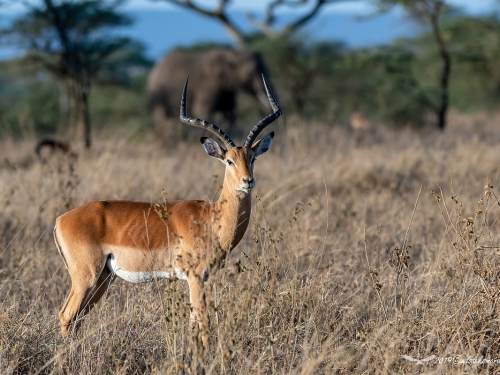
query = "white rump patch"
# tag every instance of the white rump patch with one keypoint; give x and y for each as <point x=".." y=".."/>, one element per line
<point x="142" y="277"/>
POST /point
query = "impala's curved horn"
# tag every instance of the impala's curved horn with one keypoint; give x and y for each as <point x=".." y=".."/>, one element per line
<point x="228" y="142"/>
<point x="268" y="119"/>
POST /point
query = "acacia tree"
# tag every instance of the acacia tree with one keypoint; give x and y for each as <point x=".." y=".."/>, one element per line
<point x="71" y="40"/>
<point x="265" y="26"/>
<point x="431" y="12"/>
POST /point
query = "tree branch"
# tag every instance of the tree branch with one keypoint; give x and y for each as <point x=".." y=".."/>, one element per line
<point x="301" y="21"/>
<point x="270" y="17"/>
<point x="219" y="13"/>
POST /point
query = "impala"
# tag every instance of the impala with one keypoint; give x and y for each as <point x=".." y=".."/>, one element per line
<point x="140" y="241"/>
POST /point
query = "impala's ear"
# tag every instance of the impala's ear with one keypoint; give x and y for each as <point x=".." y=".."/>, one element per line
<point x="263" y="145"/>
<point x="213" y="149"/>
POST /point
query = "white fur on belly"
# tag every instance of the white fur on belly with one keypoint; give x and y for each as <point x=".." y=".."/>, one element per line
<point x="142" y="277"/>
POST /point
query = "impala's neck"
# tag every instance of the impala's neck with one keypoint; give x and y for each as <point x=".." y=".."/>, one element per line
<point x="231" y="217"/>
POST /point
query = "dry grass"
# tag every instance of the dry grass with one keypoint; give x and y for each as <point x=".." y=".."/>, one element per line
<point x="342" y="271"/>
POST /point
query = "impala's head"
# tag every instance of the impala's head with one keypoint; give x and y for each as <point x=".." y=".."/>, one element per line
<point x="239" y="161"/>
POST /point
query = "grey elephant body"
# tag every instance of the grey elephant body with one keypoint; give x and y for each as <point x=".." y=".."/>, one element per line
<point x="216" y="75"/>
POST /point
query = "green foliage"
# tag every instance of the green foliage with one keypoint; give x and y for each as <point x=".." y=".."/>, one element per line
<point x="33" y="103"/>
<point x="396" y="84"/>
<point x="380" y="83"/>
<point x="326" y="81"/>
<point x="27" y="100"/>
<point x="116" y="107"/>
<point x="301" y="69"/>
<point x="430" y="12"/>
<point x="73" y="41"/>
<point x="69" y="37"/>
<point x="474" y="47"/>
<point x="201" y="46"/>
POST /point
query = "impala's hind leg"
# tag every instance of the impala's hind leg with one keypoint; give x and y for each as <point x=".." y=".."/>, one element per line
<point x="82" y="298"/>
<point x="103" y="282"/>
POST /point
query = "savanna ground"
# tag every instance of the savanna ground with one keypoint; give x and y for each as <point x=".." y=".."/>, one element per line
<point x="363" y="247"/>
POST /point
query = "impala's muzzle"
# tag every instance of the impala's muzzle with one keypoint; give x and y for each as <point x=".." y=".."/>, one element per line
<point x="247" y="185"/>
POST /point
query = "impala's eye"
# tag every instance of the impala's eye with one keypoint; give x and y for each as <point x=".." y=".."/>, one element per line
<point x="230" y="162"/>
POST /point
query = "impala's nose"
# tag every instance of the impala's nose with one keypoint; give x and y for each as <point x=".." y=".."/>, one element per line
<point x="249" y="181"/>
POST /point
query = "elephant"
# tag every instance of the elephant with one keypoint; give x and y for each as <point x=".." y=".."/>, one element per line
<point x="217" y="75"/>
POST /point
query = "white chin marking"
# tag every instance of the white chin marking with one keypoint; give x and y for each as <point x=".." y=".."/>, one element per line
<point x="142" y="277"/>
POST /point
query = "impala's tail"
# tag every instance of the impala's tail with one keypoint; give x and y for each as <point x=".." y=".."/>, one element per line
<point x="59" y="246"/>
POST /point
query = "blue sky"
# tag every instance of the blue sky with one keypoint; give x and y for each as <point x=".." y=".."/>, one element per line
<point x="360" y="7"/>
<point x="469" y="6"/>
<point x="162" y="27"/>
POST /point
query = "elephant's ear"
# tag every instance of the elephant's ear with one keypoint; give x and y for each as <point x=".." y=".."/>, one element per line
<point x="263" y="145"/>
<point x="213" y="149"/>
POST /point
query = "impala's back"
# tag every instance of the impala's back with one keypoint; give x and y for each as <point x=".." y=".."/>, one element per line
<point x="137" y="236"/>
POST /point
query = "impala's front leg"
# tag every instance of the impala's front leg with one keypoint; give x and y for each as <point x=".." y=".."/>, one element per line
<point x="198" y="305"/>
